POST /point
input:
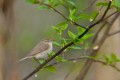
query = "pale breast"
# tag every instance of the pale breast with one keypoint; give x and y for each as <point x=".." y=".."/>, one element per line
<point x="44" y="54"/>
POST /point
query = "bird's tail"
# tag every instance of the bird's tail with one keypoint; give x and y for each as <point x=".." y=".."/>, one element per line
<point x="23" y="59"/>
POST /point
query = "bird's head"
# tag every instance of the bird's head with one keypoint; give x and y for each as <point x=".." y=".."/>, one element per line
<point x="48" y="40"/>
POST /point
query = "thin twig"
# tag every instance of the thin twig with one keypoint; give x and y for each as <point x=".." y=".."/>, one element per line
<point x="102" y="18"/>
<point x="86" y="57"/>
<point x="74" y="23"/>
<point x="66" y="46"/>
<point x="97" y="33"/>
<point x="111" y="34"/>
<point x="111" y="15"/>
<point x="96" y="60"/>
<point x="105" y="63"/>
<point x="96" y="15"/>
<point x="91" y="4"/>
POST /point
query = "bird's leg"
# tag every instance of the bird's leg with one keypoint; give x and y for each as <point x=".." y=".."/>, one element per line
<point x="36" y="60"/>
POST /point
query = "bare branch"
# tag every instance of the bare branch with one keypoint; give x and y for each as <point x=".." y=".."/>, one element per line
<point x="88" y="7"/>
<point x="111" y="15"/>
<point x="111" y="34"/>
<point x="96" y="34"/>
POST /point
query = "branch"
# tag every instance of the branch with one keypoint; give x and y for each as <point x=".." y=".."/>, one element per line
<point x="96" y="60"/>
<point x="103" y="62"/>
<point x="91" y="4"/>
<point x="96" y="15"/>
<point x="111" y="15"/>
<point x="66" y="46"/>
<point x="102" y="18"/>
<point x="87" y="57"/>
<point x="97" y="33"/>
<point x="111" y="34"/>
<point x="48" y="60"/>
<point x="74" y="23"/>
<point x="88" y="63"/>
<point x="103" y="26"/>
<point x="92" y="59"/>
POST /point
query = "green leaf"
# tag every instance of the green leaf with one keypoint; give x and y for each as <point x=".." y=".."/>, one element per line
<point x="93" y="15"/>
<point x="63" y="25"/>
<point x="72" y="15"/>
<point x="84" y="16"/>
<point x="77" y="40"/>
<point x="56" y="43"/>
<point x="57" y="30"/>
<point x="87" y="36"/>
<point x="51" y="68"/>
<point x="53" y="3"/>
<point x="41" y="61"/>
<point x="116" y="4"/>
<point x="32" y="1"/>
<point x="51" y="54"/>
<point x="113" y="56"/>
<point x="71" y="35"/>
<point x="42" y="7"/>
<point x="63" y="42"/>
<point x="107" y="59"/>
<point x="102" y="4"/>
<point x="71" y="2"/>
<point x="60" y="59"/>
<point x="111" y="59"/>
<point x="74" y="47"/>
<point x="80" y="30"/>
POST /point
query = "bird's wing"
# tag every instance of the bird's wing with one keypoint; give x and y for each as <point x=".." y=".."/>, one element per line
<point x="39" y="48"/>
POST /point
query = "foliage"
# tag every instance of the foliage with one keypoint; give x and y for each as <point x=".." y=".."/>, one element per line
<point x="115" y="4"/>
<point x="111" y="59"/>
<point x="79" y="34"/>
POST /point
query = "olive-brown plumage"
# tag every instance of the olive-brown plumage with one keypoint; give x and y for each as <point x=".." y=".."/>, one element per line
<point x="40" y="51"/>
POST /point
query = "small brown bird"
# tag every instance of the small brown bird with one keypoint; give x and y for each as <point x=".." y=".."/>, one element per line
<point x="41" y="51"/>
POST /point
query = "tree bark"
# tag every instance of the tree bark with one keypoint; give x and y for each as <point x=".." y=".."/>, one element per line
<point x="7" y="41"/>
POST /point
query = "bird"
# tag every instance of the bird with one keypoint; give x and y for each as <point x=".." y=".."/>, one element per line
<point x="40" y="51"/>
